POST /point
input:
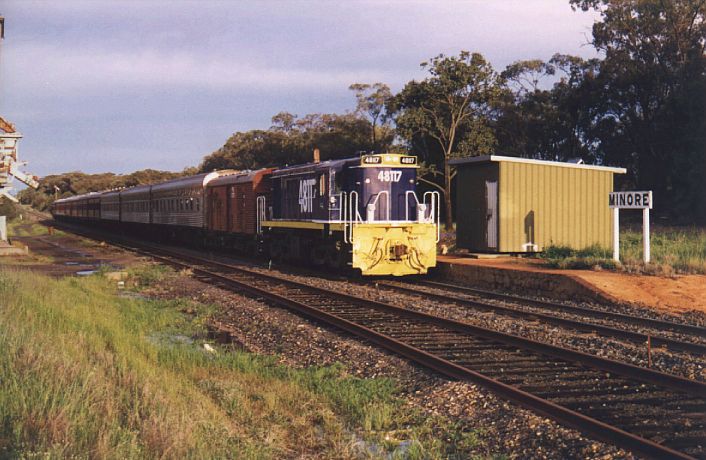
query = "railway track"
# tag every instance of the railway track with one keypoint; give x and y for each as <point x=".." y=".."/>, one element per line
<point x="647" y="412"/>
<point x="513" y="306"/>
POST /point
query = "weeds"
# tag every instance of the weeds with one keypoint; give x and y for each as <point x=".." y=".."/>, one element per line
<point x="673" y="250"/>
<point x="85" y="373"/>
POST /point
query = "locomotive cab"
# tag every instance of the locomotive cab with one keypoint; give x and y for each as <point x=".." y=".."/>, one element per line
<point x="363" y="212"/>
<point x="390" y="231"/>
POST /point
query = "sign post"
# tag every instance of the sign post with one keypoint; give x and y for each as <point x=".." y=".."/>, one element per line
<point x="631" y="200"/>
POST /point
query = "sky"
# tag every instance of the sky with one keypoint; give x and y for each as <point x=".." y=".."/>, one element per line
<point x="118" y="86"/>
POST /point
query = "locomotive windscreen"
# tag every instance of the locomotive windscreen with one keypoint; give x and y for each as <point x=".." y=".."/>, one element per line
<point x="387" y="187"/>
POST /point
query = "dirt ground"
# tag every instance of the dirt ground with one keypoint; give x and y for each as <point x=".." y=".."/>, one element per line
<point x="61" y="254"/>
<point x="679" y="293"/>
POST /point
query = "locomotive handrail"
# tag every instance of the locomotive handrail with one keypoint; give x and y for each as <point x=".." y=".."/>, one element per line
<point x="342" y="213"/>
<point x="406" y="203"/>
<point x="260" y="213"/>
<point x="374" y="204"/>
<point x="353" y="214"/>
<point x="434" y="211"/>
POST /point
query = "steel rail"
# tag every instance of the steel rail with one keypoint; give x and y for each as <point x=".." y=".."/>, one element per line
<point x="547" y="408"/>
<point x="556" y="306"/>
<point x="559" y="412"/>
<point x="600" y="329"/>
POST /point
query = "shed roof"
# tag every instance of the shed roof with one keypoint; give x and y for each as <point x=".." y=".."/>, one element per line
<point x="500" y="158"/>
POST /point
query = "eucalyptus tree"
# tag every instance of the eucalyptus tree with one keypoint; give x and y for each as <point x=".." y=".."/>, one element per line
<point x="650" y="96"/>
<point x="453" y="108"/>
<point x="371" y="100"/>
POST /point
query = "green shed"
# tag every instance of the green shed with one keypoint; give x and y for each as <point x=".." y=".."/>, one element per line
<point x="507" y="204"/>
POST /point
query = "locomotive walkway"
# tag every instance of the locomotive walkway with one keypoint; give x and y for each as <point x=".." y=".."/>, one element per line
<point x="650" y="413"/>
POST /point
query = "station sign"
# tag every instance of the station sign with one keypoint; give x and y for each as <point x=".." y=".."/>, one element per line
<point x="630" y="200"/>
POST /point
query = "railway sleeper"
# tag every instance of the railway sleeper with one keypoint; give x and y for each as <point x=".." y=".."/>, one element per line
<point x="607" y="406"/>
<point x="598" y="384"/>
<point x="482" y="361"/>
<point x="582" y="393"/>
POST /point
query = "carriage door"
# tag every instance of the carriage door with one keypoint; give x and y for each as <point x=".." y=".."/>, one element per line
<point x="491" y="200"/>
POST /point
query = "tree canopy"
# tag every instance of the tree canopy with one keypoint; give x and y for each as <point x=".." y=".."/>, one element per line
<point x="291" y="140"/>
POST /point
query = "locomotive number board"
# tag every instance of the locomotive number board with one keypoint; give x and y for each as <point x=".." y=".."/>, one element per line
<point x="388" y="159"/>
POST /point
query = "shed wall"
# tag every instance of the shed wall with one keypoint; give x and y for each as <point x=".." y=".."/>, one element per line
<point x="545" y="205"/>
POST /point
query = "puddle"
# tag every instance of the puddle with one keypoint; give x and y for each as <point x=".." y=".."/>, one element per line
<point x="70" y="263"/>
<point x="85" y="272"/>
<point x="170" y="339"/>
<point x="108" y="266"/>
<point x="132" y="295"/>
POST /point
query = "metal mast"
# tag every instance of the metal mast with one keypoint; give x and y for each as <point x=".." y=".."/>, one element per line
<point x="9" y="138"/>
<point x="9" y="163"/>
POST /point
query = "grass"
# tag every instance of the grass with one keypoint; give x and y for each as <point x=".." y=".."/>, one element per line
<point x="673" y="250"/>
<point x="87" y="373"/>
<point x="17" y="227"/>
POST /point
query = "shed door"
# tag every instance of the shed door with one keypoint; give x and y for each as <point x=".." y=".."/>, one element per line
<point x="491" y="199"/>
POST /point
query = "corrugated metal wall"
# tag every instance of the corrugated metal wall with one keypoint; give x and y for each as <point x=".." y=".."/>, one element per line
<point x="545" y="204"/>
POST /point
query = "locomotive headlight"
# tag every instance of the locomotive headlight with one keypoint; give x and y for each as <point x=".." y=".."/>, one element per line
<point x="367" y="181"/>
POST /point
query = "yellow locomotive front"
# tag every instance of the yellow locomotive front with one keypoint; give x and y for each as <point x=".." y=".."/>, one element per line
<point x="389" y="229"/>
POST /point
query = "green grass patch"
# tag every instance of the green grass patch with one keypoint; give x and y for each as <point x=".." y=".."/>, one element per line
<point x="673" y="250"/>
<point x="17" y="227"/>
<point x="87" y="373"/>
<point x="677" y="249"/>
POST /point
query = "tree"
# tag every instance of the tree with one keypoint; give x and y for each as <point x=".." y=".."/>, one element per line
<point x="291" y="140"/>
<point x="650" y="104"/>
<point x="453" y="108"/>
<point x="548" y="124"/>
<point x="371" y="102"/>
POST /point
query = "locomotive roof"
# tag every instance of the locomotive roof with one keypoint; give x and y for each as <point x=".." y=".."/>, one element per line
<point x="374" y="160"/>
<point x="311" y="167"/>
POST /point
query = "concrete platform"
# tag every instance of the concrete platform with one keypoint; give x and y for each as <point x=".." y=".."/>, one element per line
<point x="518" y="276"/>
<point x="7" y="249"/>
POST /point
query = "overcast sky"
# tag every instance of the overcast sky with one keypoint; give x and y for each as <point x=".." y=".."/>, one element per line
<point x="119" y="86"/>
